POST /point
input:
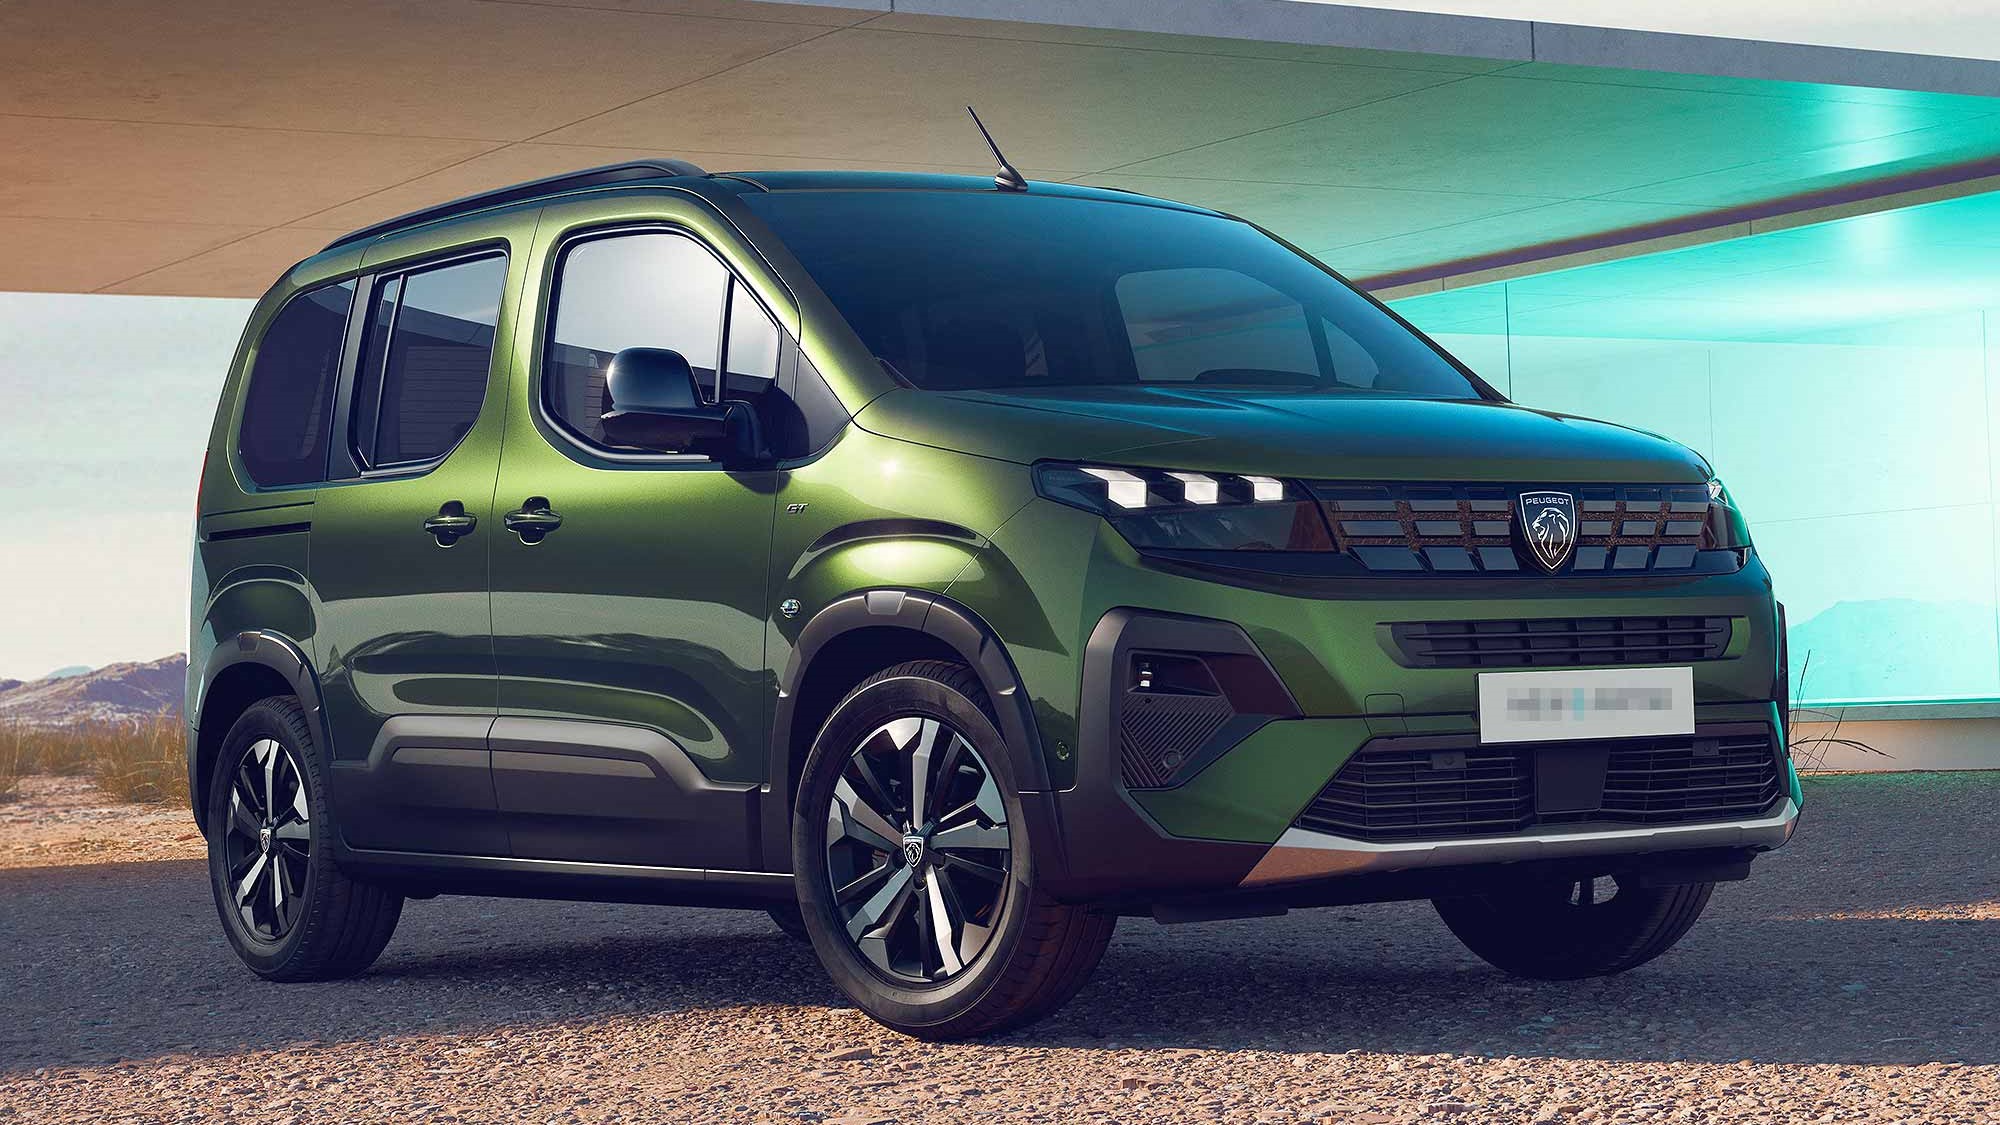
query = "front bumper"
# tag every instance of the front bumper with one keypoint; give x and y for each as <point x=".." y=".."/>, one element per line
<point x="1302" y="855"/>
<point x="1221" y="813"/>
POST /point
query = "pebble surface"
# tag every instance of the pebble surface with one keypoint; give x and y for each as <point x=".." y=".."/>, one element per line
<point x="66" y="822"/>
<point x="1854" y="977"/>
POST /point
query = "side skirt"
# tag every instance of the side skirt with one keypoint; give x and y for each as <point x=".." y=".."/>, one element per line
<point x="424" y="874"/>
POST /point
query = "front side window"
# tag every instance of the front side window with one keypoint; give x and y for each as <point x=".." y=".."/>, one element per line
<point x="289" y="402"/>
<point x="427" y="360"/>
<point x="651" y="289"/>
<point x="972" y="290"/>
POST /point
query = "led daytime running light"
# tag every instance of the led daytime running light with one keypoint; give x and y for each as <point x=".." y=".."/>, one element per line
<point x="1122" y="488"/>
<point x="1198" y="489"/>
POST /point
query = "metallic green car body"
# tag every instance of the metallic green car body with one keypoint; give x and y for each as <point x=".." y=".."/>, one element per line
<point x="682" y="599"/>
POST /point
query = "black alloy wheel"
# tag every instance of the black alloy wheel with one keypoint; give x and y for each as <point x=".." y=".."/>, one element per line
<point x="916" y="866"/>
<point x="918" y="850"/>
<point x="287" y="908"/>
<point x="267" y="841"/>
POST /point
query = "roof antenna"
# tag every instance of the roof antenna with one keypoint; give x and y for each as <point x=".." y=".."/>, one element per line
<point x="1007" y="178"/>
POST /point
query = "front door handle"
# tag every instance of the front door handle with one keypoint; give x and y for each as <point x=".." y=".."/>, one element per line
<point x="451" y="524"/>
<point x="533" y="520"/>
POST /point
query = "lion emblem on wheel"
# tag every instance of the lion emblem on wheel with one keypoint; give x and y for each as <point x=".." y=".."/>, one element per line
<point x="1548" y="524"/>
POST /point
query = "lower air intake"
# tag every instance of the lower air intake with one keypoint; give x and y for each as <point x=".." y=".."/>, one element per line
<point x="1451" y="787"/>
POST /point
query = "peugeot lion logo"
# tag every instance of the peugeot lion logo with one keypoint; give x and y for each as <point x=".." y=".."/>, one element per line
<point x="913" y="849"/>
<point x="1548" y="523"/>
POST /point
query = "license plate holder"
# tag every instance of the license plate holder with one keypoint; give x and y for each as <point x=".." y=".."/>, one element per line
<point x="1561" y="705"/>
<point x="1570" y="779"/>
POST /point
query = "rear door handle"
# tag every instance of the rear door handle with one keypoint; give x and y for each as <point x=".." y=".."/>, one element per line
<point x="451" y="524"/>
<point x="533" y="520"/>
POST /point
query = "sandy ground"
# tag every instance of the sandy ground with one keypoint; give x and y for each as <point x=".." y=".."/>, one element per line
<point x="1855" y="977"/>
<point x="63" y="821"/>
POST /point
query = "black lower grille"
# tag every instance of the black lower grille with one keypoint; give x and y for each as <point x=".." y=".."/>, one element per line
<point x="1401" y="792"/>
<point x="1559" y="641"/>
<point x="1446" y="787"/>
<point x="1686" y="780"/>
<point x="1158" y="734"/>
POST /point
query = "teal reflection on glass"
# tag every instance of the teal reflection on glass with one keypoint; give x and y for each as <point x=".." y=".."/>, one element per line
<point x="1841" y="377"/>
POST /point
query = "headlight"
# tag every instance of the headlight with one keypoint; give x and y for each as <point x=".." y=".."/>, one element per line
<point x="1160" y="509"/>
<point x="1726" y="527"/>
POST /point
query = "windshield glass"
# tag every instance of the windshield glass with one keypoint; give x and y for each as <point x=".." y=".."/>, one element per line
<point x="967" y="290"/>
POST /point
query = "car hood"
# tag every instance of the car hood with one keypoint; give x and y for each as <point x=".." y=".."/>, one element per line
<point x="1356" y="437"/>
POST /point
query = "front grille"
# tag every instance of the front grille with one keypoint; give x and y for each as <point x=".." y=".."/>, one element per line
<point x="1450" y="787"/>
<point x="1469" y="528"/>
<point x="1558" y="641"/>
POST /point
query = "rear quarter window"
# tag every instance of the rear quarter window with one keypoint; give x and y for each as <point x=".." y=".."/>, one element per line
<point x="288" y="406"/>
<point x="427" y="361"/>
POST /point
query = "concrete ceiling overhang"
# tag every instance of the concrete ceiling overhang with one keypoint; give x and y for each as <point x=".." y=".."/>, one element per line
<point x="154" y="146"/>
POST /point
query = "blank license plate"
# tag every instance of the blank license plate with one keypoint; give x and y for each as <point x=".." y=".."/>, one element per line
<point x="1587" y="703"/>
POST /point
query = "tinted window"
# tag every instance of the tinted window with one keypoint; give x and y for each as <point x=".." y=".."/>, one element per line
<point x="1190" y="325"/>
<point x="980" y="289"/>
<point x="289" y="402"/>
<point x="430" y="349"/>
<point x="639" y="290"/>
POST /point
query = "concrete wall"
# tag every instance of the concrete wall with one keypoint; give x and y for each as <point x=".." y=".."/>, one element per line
<point x="1908" y="744"/>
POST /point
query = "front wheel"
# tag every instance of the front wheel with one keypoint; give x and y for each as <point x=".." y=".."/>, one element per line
<point x="914" y="871"/>
<point x="1574" y="928"/>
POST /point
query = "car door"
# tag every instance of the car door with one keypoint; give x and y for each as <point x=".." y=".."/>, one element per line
<point x="629" y="588"/>
<point x="400" y="552"/>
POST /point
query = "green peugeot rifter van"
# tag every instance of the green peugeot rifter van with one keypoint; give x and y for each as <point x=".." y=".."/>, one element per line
<point x="948" y="567"/>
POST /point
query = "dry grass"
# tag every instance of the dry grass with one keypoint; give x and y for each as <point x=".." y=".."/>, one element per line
<point x="10" y="765"/>
<point x="1809" y="752"/>
<point x="144" y="762"/>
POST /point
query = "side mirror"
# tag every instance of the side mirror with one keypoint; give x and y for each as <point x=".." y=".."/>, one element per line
<point x="654" y="403"/>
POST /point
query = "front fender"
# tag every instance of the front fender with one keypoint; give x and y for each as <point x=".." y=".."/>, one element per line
<point x="939" y="618"/>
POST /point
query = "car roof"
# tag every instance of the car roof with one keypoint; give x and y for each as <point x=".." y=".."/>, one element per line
<point x="668" y="172"/>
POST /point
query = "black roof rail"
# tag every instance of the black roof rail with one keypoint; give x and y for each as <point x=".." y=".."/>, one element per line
<point x="549" y="185"/>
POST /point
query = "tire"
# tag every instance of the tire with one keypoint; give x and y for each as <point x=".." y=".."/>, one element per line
<point x="788" y="919"/>
<point x="1569" y="930"/>
<point x="288" y="911"/>
<point x="1014" y="955"/>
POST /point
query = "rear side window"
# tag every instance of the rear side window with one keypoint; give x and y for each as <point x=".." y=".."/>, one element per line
<point x="425" y="366"/>
<point x="289" y="404"/>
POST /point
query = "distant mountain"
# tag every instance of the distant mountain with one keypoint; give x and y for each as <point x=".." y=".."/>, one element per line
<point x="72" y="670"/>
<point x="113" y="693"/>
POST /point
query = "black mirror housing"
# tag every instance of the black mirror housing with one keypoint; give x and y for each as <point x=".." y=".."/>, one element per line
<point x="655" y="404"/>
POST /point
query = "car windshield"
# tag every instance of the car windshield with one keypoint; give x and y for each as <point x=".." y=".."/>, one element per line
<point x="962" y="290"/>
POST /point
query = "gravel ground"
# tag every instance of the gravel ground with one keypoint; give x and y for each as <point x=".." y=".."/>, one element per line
<point x="1855" y="977"/>
<point x="65" y="821"/>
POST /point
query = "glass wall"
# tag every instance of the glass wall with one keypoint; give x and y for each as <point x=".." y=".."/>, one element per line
<point x="1841" y="378"/>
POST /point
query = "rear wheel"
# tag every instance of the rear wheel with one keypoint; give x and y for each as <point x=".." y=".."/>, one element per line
<point x="1575" y="928"/>
<point x="916" y="879"/>
<point x="287" y="910"/>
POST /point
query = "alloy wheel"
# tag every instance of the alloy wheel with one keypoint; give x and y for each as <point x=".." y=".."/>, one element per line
<point x="918" y="850"/>
<point x="1586" y="893"/>
<point x="267" y="840"/>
